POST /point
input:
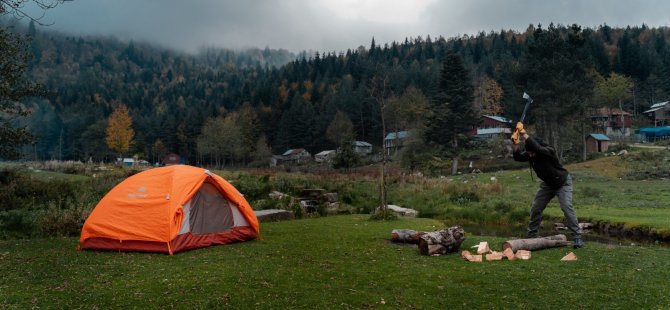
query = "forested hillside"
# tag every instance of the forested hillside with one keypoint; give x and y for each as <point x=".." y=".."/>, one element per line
<point x="233" y="107"/>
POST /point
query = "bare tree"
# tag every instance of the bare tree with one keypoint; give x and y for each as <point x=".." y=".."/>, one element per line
<point x="379" y="90"/>
<point x="17" y="8"/>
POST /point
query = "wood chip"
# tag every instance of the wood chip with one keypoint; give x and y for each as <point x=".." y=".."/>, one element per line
<point x="570" y="257"/>
<point x="483" y="248"/>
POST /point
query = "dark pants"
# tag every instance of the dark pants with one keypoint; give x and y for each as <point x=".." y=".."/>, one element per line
<point x="542" y="198"/>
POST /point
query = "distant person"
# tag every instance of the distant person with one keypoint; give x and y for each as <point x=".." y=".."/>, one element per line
<point x="556" y="182"/>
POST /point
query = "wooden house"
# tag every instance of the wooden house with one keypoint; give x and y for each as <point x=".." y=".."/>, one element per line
<point x="612" y="121"/>
<point x="660" y="114"/>
<point x="597" y="142"/>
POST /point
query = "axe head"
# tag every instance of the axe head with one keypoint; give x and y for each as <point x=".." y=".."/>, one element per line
<point x="527" y="97"/>
<point x="525" y="109"/>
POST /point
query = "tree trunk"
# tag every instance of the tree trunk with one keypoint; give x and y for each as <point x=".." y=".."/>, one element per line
<point x="454" y="165"/>
<point x="536" y="243"/>
<point x="406" y="236"/>
<point x="583" y="143"/>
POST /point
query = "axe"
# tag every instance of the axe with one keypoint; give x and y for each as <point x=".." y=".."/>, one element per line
<point x="529" y="100"/>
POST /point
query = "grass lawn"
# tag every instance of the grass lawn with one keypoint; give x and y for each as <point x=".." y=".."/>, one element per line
<point x="330" y="262"/>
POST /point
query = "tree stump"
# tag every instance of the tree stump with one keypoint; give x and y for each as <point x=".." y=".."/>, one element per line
<point x="534" y="244"/>
<point x="442" y="241"/>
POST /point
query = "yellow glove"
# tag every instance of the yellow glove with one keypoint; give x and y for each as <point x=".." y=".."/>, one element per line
<point x="519" y="128"/>
<point x="515" y="137"/>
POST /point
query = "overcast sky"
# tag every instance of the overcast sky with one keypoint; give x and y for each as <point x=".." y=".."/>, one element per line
<point x="332" y="25"/>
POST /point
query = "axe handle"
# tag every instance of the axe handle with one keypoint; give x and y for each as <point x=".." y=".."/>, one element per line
<point x="525" y="109"/>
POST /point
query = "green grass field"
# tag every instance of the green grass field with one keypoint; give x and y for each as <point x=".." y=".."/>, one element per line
<point x="336" y="262"/>
<point x="346" y="261"/>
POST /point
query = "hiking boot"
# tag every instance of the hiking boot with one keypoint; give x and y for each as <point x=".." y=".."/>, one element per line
<point x="578" y="244"/>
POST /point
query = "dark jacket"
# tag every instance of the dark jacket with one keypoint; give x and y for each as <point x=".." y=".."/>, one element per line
<point x="545" y="163"/>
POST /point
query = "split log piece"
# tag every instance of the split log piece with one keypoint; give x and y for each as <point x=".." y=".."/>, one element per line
<point x="570" y="257"/>
<point x="509" y="254"/>
<point x="522" y="254"/>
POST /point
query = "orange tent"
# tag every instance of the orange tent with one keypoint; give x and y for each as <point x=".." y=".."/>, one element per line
<point x="169" y="209"/>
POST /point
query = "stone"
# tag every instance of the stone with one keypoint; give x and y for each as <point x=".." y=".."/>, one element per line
<point x="400" y="211"/>
<point x="273" y="215"/>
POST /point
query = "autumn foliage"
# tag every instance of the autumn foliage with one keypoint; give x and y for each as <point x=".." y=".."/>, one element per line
<point x="119" y="133"/>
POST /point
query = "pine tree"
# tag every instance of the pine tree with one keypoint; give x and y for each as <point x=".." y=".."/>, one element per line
<point x="453" y="112"/>
<point x="13" y="88"/>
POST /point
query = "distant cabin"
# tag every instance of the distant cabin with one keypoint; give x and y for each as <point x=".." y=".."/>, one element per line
<point x="362" y="147"/>
<point x="171" y="159"/>
<point x="597" y="143"/>
<point x="492" y="126"/>
<point x="660" y="114"/>
<point x="613" y="121"/>
<point x="292" y="157"/>
<point x="394" y="141"/>
<point x="325" y="156"/>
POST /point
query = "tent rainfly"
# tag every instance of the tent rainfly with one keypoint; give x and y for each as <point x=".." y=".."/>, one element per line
<point x="167" y="210"/>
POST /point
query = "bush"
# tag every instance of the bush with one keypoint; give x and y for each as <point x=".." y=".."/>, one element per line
<point x="17" y="223"/>
<point x="55" y="221"/>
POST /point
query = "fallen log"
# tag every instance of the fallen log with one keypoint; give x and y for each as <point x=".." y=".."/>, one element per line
<point x="534" y="244"/>
<point x="442" y="242"/>
<point x="406" y="236"/>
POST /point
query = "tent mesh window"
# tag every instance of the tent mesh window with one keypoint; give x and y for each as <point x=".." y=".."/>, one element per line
<point x="210" y="211"/>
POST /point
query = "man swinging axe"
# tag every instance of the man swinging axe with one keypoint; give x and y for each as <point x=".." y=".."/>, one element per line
<point x="556" y="180"/>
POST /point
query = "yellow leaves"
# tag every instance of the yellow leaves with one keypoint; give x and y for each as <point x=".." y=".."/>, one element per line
<point x="119" y="133"/>
<point x="490" y="95"/>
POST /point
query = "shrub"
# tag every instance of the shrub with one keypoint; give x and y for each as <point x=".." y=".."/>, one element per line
<point x="17" y="223"/>
<point x="55" y="221"/>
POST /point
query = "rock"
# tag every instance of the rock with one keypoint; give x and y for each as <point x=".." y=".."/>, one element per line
<point x="586" y="226"/>
<point x="400" y="211"/>
<point x="331" y="197"/>
<point x="273" y="215"/>
<point x="560" y="226"/>
<point x="277" y="195"/>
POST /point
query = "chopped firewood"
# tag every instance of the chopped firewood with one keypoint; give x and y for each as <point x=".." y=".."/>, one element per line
<point x="466" y="254"/>
<point x="482" y="248"/>
<point x="570" y="257"/>
<point x="471" y="258"/>
<point x="509" y="254"/>
<point x="522" y="254"/>
<point x="494" y="256"/>
<point x="534" y="244"/>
